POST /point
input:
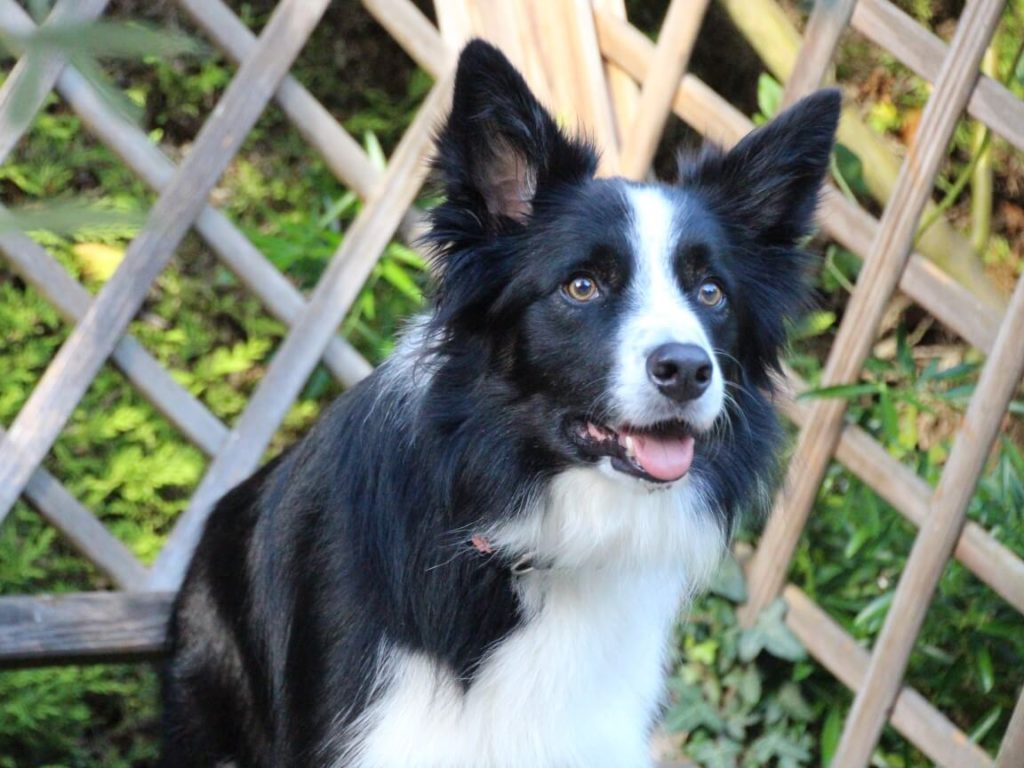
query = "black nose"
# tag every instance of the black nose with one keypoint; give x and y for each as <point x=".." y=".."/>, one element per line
<point x="680" y="371"/>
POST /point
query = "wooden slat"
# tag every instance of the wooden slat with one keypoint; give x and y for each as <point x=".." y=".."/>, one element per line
<point x="71" y="300"/>
<point x="624" y="92"/>
<point x="901" y="487"/>
<point x="81" y="528"/>
<point x="912" y="715"/>
<point x="31" y="81"/>
<point x="921" y="51"/>
<point x="132" y="145"/>
<point x="941" y="529"/>
<point x="94" y="338"/>
<point x="294" y="360"/>
<point x="708" y="113"/>
<point x="81" y="628"/>
<point x="1012" y="747"/>
<point x="671" y="55"/>
<point x="875" y="285"/>
<point x="413" y="32"/>
<point x="821" y="38"/>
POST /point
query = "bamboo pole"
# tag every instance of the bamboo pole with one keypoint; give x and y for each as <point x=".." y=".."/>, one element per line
<point x="671" y="55"/>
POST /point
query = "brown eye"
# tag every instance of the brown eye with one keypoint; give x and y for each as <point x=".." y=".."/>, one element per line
<point x="581" y="288"/>
<point x="710" y="294"/>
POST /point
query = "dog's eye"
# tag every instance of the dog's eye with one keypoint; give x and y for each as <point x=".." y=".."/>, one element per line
<point x="581" y="288"/>
<point x="710" y="294"/>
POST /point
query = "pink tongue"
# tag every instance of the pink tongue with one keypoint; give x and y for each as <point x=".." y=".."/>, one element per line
<point x="664" y="458"/>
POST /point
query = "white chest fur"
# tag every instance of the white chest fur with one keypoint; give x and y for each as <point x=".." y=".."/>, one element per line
<point x="580" y="681"/>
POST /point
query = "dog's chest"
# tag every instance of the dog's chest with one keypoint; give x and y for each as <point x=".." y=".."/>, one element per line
<point x="579" y="682"/>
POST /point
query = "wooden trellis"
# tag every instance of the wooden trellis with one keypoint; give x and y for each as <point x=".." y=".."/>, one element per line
<point x="590" y="65"/>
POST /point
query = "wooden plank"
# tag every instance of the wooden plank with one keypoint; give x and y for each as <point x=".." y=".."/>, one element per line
<point x="81" y="528"/>
<point x="294" y="360"/>
<point x="878" y="279"/>
<point x="996" y="386"/>
<point x="921" y="51"/>
<point x="82" y="628"/>
<point x="624" y="92"/>
<point x="1012" y="747"/>
<point x="32" y="79"/>
<point x="912" y="715"/>
<point x="94" y="338"/>
<point x="821" y="38"/>
<point x="900" y="486"/>
<point x="341" y="153"/>
<point x="132" y="145"/>
<point x="414" y="32"/>
<point x="671" y="55"/>
<point x="71" y="300"/>
<point x="711" y="115"/>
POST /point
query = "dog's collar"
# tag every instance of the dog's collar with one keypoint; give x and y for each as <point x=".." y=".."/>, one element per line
<point x="520" y="566"/>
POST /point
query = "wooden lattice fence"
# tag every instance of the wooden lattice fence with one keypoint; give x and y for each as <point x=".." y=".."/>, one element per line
<point x="588" y="62"/>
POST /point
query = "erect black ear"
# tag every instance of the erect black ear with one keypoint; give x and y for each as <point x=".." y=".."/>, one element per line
<point x="769" y="182"/>
<point x="500" y="147"/>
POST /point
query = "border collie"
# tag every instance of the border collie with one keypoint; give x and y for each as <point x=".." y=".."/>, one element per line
<point x="477" y="556"/>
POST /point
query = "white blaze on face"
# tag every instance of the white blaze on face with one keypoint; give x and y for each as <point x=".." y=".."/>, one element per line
<point x="658" y="313"/>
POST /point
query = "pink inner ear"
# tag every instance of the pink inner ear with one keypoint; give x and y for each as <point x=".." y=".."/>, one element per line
<point x="508" y="184"/>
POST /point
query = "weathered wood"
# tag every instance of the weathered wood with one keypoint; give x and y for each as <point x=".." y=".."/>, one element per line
<point x="85" y="533"/>
<point x="912" y="715"/>
<point x="32" y="81"/>
<point x="910" y="495"/>
<point x="82" y="628"/>
<point x="71" y="300"/>
<point x="941" y="529"/>
<point x="671" y="55"/>
<point x="826" y="25"/>
<point x="708" y="113"/>
<point x="882" y="268"/>
<point x="1012" y="747"/>
<point x="414" y="32"/>
<point x="921" y="51"/>
<point x="94" y="338"/>
<point x="294" y="360"/>
<point x="624" y="91"/>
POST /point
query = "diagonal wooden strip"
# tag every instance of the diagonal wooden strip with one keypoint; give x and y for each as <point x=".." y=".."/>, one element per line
<point x="921" y="51"/>
<point x="1012" y="746"/>
<point x="85" y="627"/>
<point x="997" y="385"/>
<point x="18" y="107"/>
<point x="821" y="38"/>
<point x="132" y="145"/>
<point x="93" y="339"/>
<point x="671" y="55"/>
<point x="294" y="360"/>
<point x="342" y="154"/>
<point x="414" y="32"/>
<point x="49" y="278"/>
<point x="998" y="379"/>
<point x="85" y="533"/>
<point x="711" y="115"/>
<point x="912" y="715"/>
<point x="910" y="495"/>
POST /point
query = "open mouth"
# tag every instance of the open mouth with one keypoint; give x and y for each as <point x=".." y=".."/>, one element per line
<point x="661" y="453"/>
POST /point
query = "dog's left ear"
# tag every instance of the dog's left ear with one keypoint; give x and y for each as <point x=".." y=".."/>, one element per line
<point x="769" y="182"/>
<point x="500" y="147"/>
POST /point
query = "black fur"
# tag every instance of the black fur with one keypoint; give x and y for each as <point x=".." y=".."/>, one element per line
<point x="359" y="535"/>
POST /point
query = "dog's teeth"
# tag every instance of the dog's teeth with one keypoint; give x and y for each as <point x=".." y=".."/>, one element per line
<point x="630" y="447"/>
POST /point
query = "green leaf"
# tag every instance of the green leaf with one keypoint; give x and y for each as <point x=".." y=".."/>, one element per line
<point x="830" y="733"/>
<point x="846" y="391"/>
<point x="729" y="581"/>
<point x="769" y="95"/>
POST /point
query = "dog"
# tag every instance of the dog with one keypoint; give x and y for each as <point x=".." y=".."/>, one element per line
<point x="477" y="556"/>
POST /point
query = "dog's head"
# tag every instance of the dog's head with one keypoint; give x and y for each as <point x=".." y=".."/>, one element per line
<point x="629" y="315"/>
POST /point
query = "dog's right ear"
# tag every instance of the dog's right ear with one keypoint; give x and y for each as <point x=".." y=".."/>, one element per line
<point x="500" y="148"/>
